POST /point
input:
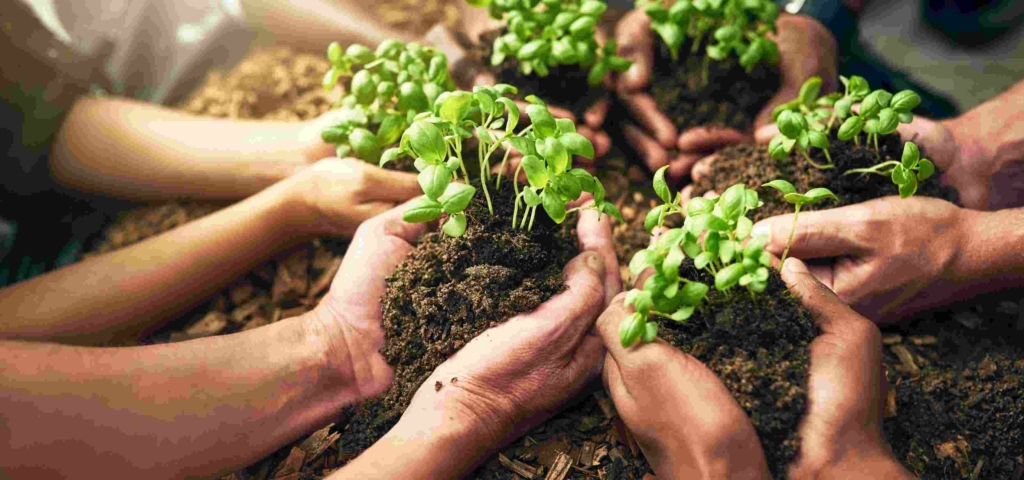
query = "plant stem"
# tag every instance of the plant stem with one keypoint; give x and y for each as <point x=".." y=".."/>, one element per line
<point x="515" y="211"/>
<point x="501" y="170"/>
<point x="704" y="71"/>
<point x="533" y="215"/>
<point x="484" y="170"/>
<point x="792" y="234"/>
<point x="817" y="165"/>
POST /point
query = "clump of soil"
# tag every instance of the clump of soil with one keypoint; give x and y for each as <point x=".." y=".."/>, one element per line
<point x="565" y="86"/>
<point x="448" y="291"/>
<point x="759" y="347"/>
<point x="752" y="165"/>
<point x="727" y="97"/>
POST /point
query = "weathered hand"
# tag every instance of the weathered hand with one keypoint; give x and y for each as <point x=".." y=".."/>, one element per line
<point x="797" y="36"/>
<point x="684" y="419"/>
<point x="841" y="434"/>
<point x="888" y="258"/>
<point x="335" y="195"/>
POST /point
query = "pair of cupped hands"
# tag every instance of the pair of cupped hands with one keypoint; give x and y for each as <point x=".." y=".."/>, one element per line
<point x="514" y="376"/>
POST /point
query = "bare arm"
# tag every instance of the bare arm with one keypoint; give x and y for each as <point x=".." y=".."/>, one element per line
<point x="145" y="152"/>
<point x="313" y="24"/>
<point x="993" y="132"/>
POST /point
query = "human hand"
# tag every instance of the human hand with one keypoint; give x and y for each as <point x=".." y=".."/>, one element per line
<point x="334" y="196"/>
<point x="468" y="72"/>
<point x="806" y="49"/>
<point x="682" y="416"/>
<point x="841" y="434"/>
<point x="515" y="375"/>
<point x="888" y="258"/>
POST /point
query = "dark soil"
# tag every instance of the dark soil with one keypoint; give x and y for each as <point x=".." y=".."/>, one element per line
<point x="728" y="97"/>
<point x="751" y="164"/>
<point x="565" y="86"/>
<point x="758" y="347"/>
<point x="450" y="290"/>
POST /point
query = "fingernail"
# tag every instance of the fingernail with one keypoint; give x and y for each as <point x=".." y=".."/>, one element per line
<point x="794" y="265"/>
<point x="762" y="229"/>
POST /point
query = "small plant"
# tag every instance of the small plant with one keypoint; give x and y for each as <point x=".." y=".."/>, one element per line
<point x="798" y="200"/>
<point x="800" y="125"/>
<point x="715" y="237"/>
<point x="543" y="34"/>
<point x="722" y="27"/>
<point x="435" y="139"/>
<point x="907" y="174"/>
<point x="392" y="85"/>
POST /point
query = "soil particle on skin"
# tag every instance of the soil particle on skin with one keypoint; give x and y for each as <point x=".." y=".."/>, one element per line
<point x="448" y="291"/>
<point x="728" y="97"/>
<point x="752" y="165"/>
<point x="759" y="347"/>
<point x="565" y="86"/>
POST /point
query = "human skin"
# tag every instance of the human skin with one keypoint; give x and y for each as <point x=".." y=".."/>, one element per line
<point x="806" y="49"/>
<point x="705" y="434"/>
<point x="509" y="379"/>
<point x="124" y="294"/>
<point x="313" y="24"/>
<point x="892" y="258"/>
<point x="205" y="407"/>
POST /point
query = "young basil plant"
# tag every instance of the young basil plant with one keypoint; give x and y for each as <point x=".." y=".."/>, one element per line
<point x="721" y="27"/>
<point x="799" y="200"/>
<point x="543" y="34"/>
<point x="436" y="140"/>
<point x="715" y="237"/>
<point x="907" y="173"/>
<point x="801" y="126"/>
<point x="392" y="85"/>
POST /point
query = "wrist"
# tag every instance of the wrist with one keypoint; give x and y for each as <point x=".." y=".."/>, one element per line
<point x="989" y="257"/>
<point x="288" y="213"/>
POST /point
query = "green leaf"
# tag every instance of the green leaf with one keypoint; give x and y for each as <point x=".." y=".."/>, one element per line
<point x="597" y="73"/>
<point x="536" y="173"/>
<point x="555" y="154"/>
<point x="781" y="185"/>
<point x="661" y="187"/>
<point x="726" y="251"/>
<point x="420" y="164"/>
<point x="640" y="262"/>
<point x="692" y="293"/>
<point x="530" y="197"/>
<point x="577" y="144"/>
<point x="412" y="97"/>
<point x="426" y="141"/>
<point x="359" y="54"/>
<point x="911" y="155"/>
<point x="851" y="128"/>
<point x="543" y="123"/>
<point x="422" y="210"/>
<point x="554" y="205"/>
<point x="925" y="169"/>
<point x="640" y="300"/>
<point x="671" y="33"/>
<point x="650" y="332"/>
<point x="888" y="120"/>
<point x="728" y="34"/>
<point x="334" y="135"/>
<point x="797" y="199"/>
<point x="743" y="227"/>
<point x="453" y="164"/>
<point x="820" y="194"/>
<point x="390" y="130"/>
<point x="434" y="180"/>
<point x="364" y="143"/>
<point x="390" y="155"/>
<point x="780" y="146"/>
<point x="728" y="277"/>
<point x="631" y="329"/>
<point x="809" y="90"/>
<point x="334" y="53"/>
<point x="791" y="123"/>
<point x="908" y="189"/>
<point x="670" y="267"/>
<point x="565" y="125"/>
<point x="818" y="139"/>
<point x="582" y="28"/>
<point x="858" y="88"/>
<point x="871" y="105"/>
<point x="455" y="226"/>
<point x="534" y="49"/>
<point x="900" y="175"/>
<point x="843" y="107"/>
<point x="456" y="197"/>
<point x="733" y="202"/>
<point x="683" y="313"/>
<point x="608" y="208"/>
<point x="905" y="101"/>
<point x="906" y="118"/>
<point x="703" y="260"/>
<point x="455" y="107"/>
<point x="696" y="206"/>
<point x="523" y="145"/>
<point x="653" y="218"/>
<point x="513" y="113"/>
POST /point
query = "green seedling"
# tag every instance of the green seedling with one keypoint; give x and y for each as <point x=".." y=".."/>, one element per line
<point x="799" y="200"/>
<point x="546" y="33"/>
<point x="800" y="125"/>
<point x="721" y="27"/>
<point x="907" y="174"/>
<point x="389" y="86"/>
<point x="715" y="237"/>
<point x="436" y="140"/>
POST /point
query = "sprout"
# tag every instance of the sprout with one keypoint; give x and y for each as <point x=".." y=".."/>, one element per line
<point x="907" y="173"/>
<point x="813" y="196"/>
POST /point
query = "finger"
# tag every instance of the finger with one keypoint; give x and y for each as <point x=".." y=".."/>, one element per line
<point x="636" y="43"/>
<point x="708" y="139"/>
<point x="682" y="166"/>
<point x="483" y="79"/>
<point x="703" y="167"/>
<point x="764" y="117"/>
<point x="654" y="155"/>
<point x="595" y="234"/>
<point x="608" y="327"/>
<point x="602" y="144"/>
<point x="392" y="185"/>
<point x="573" y="312"/>
<point x="765" y="134"/>
<point x="645" y="109"/>
<point x="932" y="137"/>
<point x="828" y="233"/>
<point x="595" y="115"/>
<point x="687" y="195"/>
<point x="829" y="311"/>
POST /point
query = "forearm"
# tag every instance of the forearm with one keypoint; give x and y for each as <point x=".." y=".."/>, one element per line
<point x="313" y="24"/>
<point x="145" y="152"/>
<point x="123" y="294"/>
<point x="993" y="132"/>
<point x="992" y="259"/>
<point x="192" y="409"/>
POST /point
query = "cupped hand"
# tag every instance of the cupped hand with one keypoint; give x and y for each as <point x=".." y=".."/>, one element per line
<point x="841" y="434"/>
<point x="889" y="258"/>
<point x="335" y="196"/>
<point x="682" y="416"/>
<point x="350" y="317"/>
<point x="517" y="374"/>
<point x="806" y="49"/>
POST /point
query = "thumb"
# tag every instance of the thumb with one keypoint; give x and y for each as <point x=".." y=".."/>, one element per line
<point x="573" y="311"/>
<point x="782" y="96"/>
<point x="636" y="44"/>
<point x="823" y="303"/>
<point x="392" y="185"/>
<point x="828" y="233"/>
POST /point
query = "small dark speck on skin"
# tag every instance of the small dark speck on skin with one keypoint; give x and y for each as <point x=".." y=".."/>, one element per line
<point x="438" y="386"/>
<point x="455" y="379"/>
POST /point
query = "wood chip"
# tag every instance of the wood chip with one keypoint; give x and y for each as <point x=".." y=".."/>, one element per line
<point x="560" y="469"/>
<point x="211" y="324"/>
<point x="256" y="322"/>
<point x="518" y="467"/>
<point x="892" y="339"/>
<point x="586" y="457"/>
<point x="599" y="455"/>
<point x="291" y="280"/>
<point x="924" y="340"/>
<point x="906" y="359"/>
<point x="241" y="292"/>
<point x="977" y="469"/>
<point x="323" y="282"/>
<point x="292" y="465"/>
<point x="606" y="406"/>
<point x="243" y="312"/>
<point x="890" y="403"/>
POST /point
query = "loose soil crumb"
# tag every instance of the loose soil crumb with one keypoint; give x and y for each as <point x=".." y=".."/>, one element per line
<point x="728" y="97"/>
<point x="448" y="291"/>
<point x="759" y="348"/>
<point x="751" y="164"/>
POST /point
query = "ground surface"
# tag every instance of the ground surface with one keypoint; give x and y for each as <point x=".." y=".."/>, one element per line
<point x="957" y="404"/>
